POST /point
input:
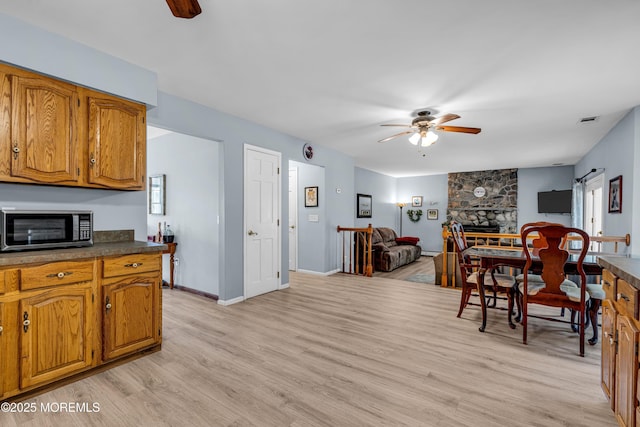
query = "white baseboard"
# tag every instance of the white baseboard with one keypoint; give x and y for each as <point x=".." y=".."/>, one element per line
<point x="231" y="301"/>
<point x="328" y="273"/>
<point x="283" y="286"/>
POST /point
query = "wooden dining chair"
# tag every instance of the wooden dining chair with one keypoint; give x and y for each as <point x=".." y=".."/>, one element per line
<point x="469" y="271"/>
<point x="537" y="242"/>
<point x="555" y="289"/>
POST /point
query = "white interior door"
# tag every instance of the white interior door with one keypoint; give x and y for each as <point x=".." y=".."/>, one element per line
<point x="293" y="219"/>
<point x="594" y="209"/>
<point x="262" y="221"/>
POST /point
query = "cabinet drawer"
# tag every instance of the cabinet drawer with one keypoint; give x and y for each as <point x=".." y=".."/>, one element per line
<point x="131" y="264"/>
<point x="609" y="284"/>
<point x="56" y="274"/>
<point x="627" y="298"/>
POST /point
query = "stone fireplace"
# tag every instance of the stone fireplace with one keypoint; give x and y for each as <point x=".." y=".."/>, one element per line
<point x="484" y="200"/>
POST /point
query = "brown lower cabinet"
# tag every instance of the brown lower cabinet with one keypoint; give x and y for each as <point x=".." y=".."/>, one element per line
<point x="130" y="320"/>
<point x="620" y="335"/>
<point x="65" y="318"/>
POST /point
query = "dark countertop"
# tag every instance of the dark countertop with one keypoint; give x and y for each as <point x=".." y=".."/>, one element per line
<point x="627" y="268"/>
<point x="67" y="254"/>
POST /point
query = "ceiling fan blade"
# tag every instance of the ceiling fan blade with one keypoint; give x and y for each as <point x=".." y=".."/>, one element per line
<point x="458" y="129"/>
<point x="396" y="135"/>
<point x="184" y="8"/>
<point x="443" y="119"/>
<point x="405" y="126"/>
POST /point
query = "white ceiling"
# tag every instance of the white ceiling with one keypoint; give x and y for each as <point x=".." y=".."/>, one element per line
<point x="332" y="71"/>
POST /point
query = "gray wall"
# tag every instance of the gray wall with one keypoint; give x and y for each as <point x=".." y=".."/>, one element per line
<point x="617" y="153"/>
<point x="193" y="200"/>
<point x="533" y="180"/>
<point x="433" y="189"/>
<point x="382" y="188"/>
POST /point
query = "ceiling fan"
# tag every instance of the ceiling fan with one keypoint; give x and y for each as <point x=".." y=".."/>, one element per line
<point x="423" y="127"/>
<point x="184" y="8"/>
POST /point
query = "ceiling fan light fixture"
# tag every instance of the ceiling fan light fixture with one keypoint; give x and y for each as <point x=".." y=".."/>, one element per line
<point x="428" y="138"/>
<point x="415" y="138"/>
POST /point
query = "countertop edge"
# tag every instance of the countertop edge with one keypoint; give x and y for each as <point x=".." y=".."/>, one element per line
<point x="67" y="254"/>
<point x="627" y="268"/>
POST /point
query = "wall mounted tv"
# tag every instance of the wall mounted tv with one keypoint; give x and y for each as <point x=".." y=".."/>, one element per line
<point x="556" y="201"/>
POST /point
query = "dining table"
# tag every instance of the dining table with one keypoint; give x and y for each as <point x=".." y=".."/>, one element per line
<point x="491" y="257"/>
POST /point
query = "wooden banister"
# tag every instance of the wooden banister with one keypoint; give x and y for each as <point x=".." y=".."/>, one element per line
<point x="360" y="254"/>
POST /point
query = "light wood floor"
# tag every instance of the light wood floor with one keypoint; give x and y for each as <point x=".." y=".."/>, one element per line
<point x="342" y="351"/>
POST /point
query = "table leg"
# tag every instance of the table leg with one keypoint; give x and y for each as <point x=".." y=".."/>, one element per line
<point x="171" y="266"/>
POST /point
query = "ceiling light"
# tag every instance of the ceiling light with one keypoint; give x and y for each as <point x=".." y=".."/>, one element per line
<point x="426" y="138"/>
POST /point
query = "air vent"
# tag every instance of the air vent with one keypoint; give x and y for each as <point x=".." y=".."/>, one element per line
<point x="588" y="119"/>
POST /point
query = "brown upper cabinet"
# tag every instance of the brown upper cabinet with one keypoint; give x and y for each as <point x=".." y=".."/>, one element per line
<point x="57" y="133"/>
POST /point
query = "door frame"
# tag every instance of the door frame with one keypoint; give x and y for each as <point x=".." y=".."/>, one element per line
<point x="596" y="182"/>
<point x="295" y="170"/>
<point x="278" y="204"/>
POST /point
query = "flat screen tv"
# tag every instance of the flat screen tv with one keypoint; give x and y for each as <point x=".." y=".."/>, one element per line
<point x="556" y="201"/>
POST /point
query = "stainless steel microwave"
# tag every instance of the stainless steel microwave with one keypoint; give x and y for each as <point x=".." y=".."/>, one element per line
<point x="34" y="229"/>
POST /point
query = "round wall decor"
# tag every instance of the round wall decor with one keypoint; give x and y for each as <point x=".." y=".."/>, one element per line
<point x="479" y="191"/>
<point x="307" y="151"/>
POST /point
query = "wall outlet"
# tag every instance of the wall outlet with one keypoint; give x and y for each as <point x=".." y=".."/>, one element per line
<point x="176" y="261"/>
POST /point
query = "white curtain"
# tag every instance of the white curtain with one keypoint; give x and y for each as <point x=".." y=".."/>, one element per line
<point x="577" y="209"/>
<point x="577" y="205"/>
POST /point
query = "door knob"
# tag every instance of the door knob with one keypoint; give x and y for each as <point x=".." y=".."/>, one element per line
<point x="292" y="227"/>
<point x="252" y="233"/>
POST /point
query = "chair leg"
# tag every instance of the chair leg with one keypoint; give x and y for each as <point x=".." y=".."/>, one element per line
<point x="594" y="306"/>
<point x="464" y="298"/>
<point x="574" y="326"/>
<point x="582" y="327"/>
<point x="518" y="295"/>
<point x="511" y="295"/>
<point x="524" y="320"/>
<point x="495" y="298"/>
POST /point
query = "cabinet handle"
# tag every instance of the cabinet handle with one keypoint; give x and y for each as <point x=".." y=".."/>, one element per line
<point x="25" y="321"/>
<point x="60" y="275"/>
<point x="92" y="160"/>
<point x="15" y="150"/>
<point x="1" y="329"/>
<point x="623" y="296"/>
<point x="133" y="265"/>
<point x="108" y="305"/>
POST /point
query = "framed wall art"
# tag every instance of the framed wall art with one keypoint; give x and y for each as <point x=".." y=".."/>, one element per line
<point x="310" y="197"/>
<point x="615" y="195"/>
<point x="364" y="203"/>
<point x="432" y="213"/>
<point x="416" y="201"/>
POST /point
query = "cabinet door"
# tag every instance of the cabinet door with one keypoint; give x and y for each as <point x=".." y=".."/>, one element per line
<point x="130" y="316"/>
<point x="56" y="334"/>
<point x="608" y="371"/>
<point x="626" y="371"/>
<point x="44" y="130"/>
<point x="117" y="143"/>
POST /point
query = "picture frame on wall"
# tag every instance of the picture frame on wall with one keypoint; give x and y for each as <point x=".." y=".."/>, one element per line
<point x="416" y="201"/>
<point x="432" y="213"/>
<point x="364" y="203"/>
<point x="615" y="195"/>
<point x="310" y="197"/>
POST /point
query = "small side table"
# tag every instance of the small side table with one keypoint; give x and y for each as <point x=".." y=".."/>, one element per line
<point x="171" y="250"/>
